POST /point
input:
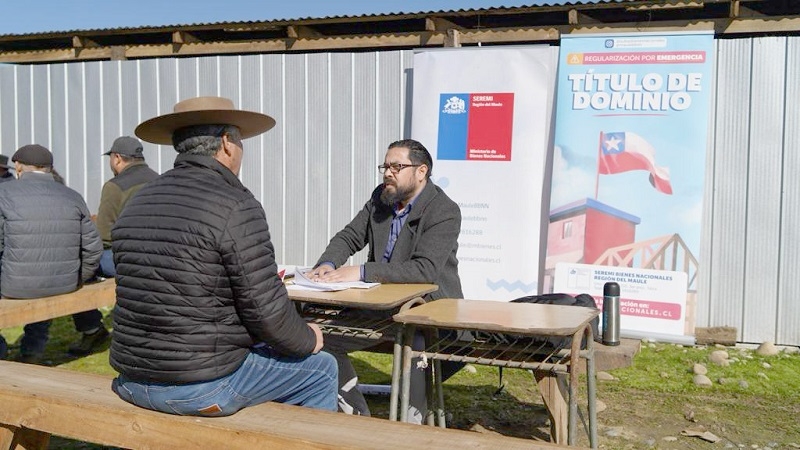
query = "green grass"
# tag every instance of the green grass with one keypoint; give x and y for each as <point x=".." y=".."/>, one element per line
<point x="653" y="398"/>
<point x="665" y="368"/>
<point x="62" y="334"/>
<point x="761" y="413"/>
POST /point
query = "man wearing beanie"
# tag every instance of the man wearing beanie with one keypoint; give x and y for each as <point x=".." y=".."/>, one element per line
<point x="130" y="173"/>
<point x="43" y="223"/>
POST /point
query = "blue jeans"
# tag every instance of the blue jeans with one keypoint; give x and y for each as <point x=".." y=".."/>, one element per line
<point x="264" y="376"/>
<point x="107" y="268"/>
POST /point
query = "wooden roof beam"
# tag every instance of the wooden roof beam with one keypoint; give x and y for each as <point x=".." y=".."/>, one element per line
<point x="295" y="32"/>
<point x="739" y="10"/>
<point x="452" y="38"/>
<point x="439" y="24"/>
<point x="118" y="53"/>
<point x="575" y="17"/>
<point x="81" y="42"/>
<point x="183" y="37"/>
<point x="302" y="32"/>
<point x="734" y="9"/>
<point x="179" y="39"/>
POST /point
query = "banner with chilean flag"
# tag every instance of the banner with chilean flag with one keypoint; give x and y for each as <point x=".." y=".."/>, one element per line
<point x="629" y="157"/>
<point x="626" y="151"/>
<point x="476" y="126"/>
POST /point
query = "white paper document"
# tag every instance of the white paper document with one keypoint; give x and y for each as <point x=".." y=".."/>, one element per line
<point x="302" y="282"/>
<point x="287" y="270"/>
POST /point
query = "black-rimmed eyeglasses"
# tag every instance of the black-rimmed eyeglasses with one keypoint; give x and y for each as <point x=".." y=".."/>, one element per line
<point x="395" y="167"/>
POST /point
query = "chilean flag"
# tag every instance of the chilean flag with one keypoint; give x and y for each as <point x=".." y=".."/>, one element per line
<point x="623" y="151"/>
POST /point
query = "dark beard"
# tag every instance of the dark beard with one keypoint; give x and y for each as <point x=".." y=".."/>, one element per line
<point x="391" y="198"/>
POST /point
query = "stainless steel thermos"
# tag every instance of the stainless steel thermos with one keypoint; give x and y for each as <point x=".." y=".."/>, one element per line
<point x="611" y="313"/>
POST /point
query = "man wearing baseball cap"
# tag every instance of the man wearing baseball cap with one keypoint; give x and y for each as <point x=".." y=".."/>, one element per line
<point x="130" y="173"/>
<point x="203" y="325"/>
<point x="44" y="222"/>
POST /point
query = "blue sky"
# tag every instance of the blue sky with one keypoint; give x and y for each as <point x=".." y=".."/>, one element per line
<point x="32" y="16"/>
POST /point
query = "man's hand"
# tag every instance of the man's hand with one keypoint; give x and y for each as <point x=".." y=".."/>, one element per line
<point x="319" y="271"/>
<point x="344" y="273"/>
<point x="318" y="335"/>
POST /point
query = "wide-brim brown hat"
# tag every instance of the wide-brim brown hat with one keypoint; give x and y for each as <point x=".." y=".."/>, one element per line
<point x="203" y="111"/>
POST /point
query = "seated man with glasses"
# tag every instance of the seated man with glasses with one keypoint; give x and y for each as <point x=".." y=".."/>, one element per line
<point x="411" y="227"/>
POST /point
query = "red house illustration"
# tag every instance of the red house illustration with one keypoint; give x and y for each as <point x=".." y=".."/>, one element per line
<point x="581" y="231"/>
<point x="590" y="232"/>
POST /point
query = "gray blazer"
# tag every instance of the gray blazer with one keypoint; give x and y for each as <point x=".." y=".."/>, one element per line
<point x="425" y="251"/>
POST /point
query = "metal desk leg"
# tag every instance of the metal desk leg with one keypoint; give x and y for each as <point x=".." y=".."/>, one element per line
<point x="437" y="373"/>
<point x="398" y="364"/>
<point x="405" y="378"/>
<point x="397" y="361"/>
<point x="429" y="374"/>
<point x="591" y="384"/>
<point x="433" y="383"/>
<point x="430" y="415"/>
<point x="574" y="355"/>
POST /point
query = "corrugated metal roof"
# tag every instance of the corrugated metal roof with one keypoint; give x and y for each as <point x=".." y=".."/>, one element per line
<point x="541" y="21"/>
<point x="279" y="22"/>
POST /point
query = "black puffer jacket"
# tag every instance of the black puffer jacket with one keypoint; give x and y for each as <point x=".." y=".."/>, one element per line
<point x="196" y="279"/>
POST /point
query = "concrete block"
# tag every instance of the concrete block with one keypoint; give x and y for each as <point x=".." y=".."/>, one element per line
<point x="613" y="357"/>
<point x="715" y="335"/>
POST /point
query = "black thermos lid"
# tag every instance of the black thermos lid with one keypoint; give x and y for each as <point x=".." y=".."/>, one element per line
<point x="611" y="289"/>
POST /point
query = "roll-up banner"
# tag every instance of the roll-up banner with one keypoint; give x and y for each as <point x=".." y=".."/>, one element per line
<point x="628" y="173"/>
<point x="485" y="115"/>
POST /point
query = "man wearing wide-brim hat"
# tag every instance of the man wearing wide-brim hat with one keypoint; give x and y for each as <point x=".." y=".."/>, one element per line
<point x="201" y="312"/>
<point x="6" y="173"/>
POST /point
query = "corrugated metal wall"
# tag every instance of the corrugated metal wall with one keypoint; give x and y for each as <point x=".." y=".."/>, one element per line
<point x="336" y="113"/>
<point x="751" y="251"/>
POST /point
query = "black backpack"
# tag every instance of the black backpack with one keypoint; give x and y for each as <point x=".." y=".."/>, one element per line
<point x="555" y="343"/>
<point x="551" y="342"/>
<point x="584" y="300"/>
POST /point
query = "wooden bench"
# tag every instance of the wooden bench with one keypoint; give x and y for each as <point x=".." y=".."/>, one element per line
<point x="15" y="312"/>
<point x="39" y="401"/>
